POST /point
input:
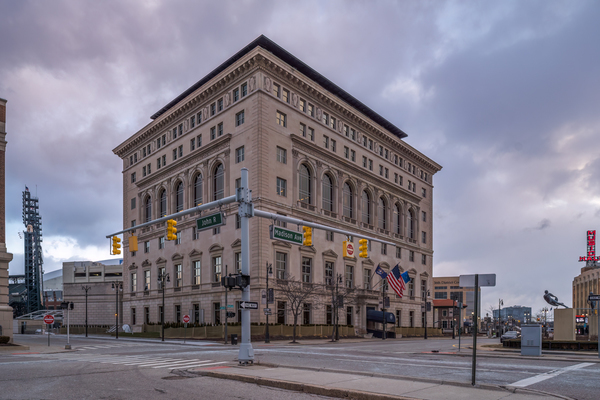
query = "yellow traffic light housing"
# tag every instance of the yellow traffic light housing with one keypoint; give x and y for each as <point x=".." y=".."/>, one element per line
<point x="115" y="245"/>
<point x="307" y="236"/>
<point x="171" y="230"/>
<point x="133" y="244"/>
<point x="363" y="248"/>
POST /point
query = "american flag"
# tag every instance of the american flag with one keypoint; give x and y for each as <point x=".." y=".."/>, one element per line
<point x="397" y="280"/>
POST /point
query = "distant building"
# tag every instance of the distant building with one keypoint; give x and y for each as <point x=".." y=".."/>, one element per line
<point x="102" y="297"/>
<point x="515" y="315"/>
<point x="448" y="288"/>
<point x="583" y="284"/>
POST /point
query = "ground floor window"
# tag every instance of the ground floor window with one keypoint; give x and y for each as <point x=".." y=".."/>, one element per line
<point x="398" y="318"/>
<point x="178" y="313"/>
<point x="281" y="312"/>
<point x="411" y="319"/>
<point x="197" y="313"/>
<point x="349" y="316"/>
<point x="217" y="313"/>
<point x="422" y="319"/>
<point x="444" y="324"/>
<point x="306" y="314"/>
<point x="147" y="315"/>
<point x="133" y="316"/>
<point x="329" y="315"/>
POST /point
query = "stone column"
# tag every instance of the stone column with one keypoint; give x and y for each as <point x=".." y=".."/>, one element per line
<point x="6" y="314"/>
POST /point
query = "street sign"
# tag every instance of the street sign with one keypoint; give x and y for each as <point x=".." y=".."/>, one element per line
<point x="249" y="305"/>
<point x="285" y="235"/>
<point x="594" y="297"/>
<point x="210" y="221"/>
<point x="186" y="319"/>
<point x="267" y="311"/>
<point x="348" y="249"/>
<point x="484" y="280"/>
<point x="222" y="307"/>
<point x="49" y="319"/>
<point x="229" y="305"/>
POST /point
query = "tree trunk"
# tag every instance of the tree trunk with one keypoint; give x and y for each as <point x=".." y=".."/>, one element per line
<point x="294" y="330"/>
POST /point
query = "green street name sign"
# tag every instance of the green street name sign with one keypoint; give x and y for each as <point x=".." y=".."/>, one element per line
<point x="285" y="235"/>
<point x="210" y="221"/>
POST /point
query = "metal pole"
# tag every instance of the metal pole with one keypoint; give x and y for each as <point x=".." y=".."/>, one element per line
<point x="86" y="288"/>
<point x="267" y="339"/>
<point x="226" y="312"/>
<point x="474" y="364"/>
<point x="384" y="334"/>
<point x="598" y="333"/>
<point x="116" y="311"/>
<point x="68" y="346"/>
<point x="162" y="314"/>
<point x="425" y="336"/>
<point x="246" y="353"/>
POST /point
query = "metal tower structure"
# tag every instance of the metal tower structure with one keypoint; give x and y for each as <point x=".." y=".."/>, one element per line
<point x="33" y="251"/>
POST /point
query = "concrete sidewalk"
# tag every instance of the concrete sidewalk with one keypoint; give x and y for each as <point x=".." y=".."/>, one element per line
<point x="365" y="386"/>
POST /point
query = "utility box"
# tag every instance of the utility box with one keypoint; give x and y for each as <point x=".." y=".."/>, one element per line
<point x="531" y="340"/>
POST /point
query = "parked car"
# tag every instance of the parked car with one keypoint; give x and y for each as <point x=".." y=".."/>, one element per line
<point x="509" y="335"/>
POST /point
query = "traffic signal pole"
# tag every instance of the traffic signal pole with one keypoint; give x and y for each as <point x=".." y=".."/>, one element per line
<point x="246" y="353"/>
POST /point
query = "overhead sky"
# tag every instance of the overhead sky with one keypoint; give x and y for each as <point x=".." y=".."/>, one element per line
<point x="504" y="95"/>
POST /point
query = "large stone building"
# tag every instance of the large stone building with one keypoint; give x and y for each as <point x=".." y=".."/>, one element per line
<point x="313" y="152"/>
<point x="588" y="281"/>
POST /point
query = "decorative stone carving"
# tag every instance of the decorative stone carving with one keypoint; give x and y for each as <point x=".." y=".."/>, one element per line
<point x="252" y="83"/>
<point x="319" y="114"/>
<point x="295" y="153"/>
<point x="319" y="164"/>
<point x="267" y="84"/>
<point x="340" y="126"/>
<point x="204" y="113"/>
<point x="295" y="100"/>
<point x="227" y="99"/>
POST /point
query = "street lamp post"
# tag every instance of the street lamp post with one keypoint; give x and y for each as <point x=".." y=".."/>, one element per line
<point x="500" y="303"/>
<point x="116" y="286"/>
<point x="162" y="278"/>
<point x="269" y="272"/>
<point x="426" y="297"/>
<point x="86" y="288"/>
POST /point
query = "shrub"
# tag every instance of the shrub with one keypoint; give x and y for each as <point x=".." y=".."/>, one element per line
<point x="4" y="339"/>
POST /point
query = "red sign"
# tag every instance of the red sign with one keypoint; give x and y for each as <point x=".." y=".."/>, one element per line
<point x="186" y="319"/>
<point x="49" y="319"/>
<point x="591" y="247"/>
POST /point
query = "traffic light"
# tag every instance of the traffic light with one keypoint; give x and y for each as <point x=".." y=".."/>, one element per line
<point x="307" y="236"/>
<point x="171" y="230"/>
<point x="363" y="248"/>
<point x="115" y="245"/>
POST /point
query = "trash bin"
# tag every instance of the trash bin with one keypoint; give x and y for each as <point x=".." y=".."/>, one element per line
<point x="234" y="338"/>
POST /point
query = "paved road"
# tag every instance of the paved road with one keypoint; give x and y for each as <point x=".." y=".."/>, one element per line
<point x="141" y="364"/>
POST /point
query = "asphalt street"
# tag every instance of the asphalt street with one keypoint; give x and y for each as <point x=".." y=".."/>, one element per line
<point x="124" y="367"/>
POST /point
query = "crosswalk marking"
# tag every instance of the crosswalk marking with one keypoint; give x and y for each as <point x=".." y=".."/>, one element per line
<point x="141" y="361"/>
<point x="548" y="375"/>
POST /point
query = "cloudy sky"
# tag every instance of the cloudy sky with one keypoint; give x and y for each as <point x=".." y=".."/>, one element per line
<point x="505" y="95"/>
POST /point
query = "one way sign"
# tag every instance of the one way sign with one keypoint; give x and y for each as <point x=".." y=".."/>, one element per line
<point x="249" y="305"/>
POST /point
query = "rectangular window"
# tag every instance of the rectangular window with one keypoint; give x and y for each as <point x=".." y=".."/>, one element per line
<point x="424" y="192"/>
<point x="276" y="90"/>
<point x="149" y="171"/>
<point x="134" y="281"/>
<point x="158" y="143"/>
<point x="352" y="134"/>
<point x="302" y="105"/>
<point x="381" y="170"/>
<point x="192" y="121"/>
<point x="238" y="221"/>
<point x="352" y="155"/>
<point x="213" y="133"/>
<point x="239" y="154"/>
<point x="281" y="119"/>
<point x="193" y="144"/>
<point x="220" y="105"/>
<point x="349" y="276"/>
<point x="423" y="289"/>
<point x="364" y="162"/>
<point x="423" y="259"/>
<point x="178" y="275"/>
<point x="386" y="154"/>
<point x="411" y="255"/>
<point x="329" y="273"/>
<point x="238" y="262"/>
<point x="244" y="89"/>
<point x="383" y="249"/>
<point x="311" y="134"/>
<point x="346" y="131"/>
<point x="180" y="148"/>
<point x="326" y="141"/>
<point x="285" y="95"/>
<point x="302" y="129"/>
<point x="217" y="230"/>
<point x="387" y="173"/>
<point x="398" y="252"/>
<point x="370" y="144"/>
<point x="174" y="133"/>
<point x="216" y="268"/>
<point x="328" y="315"/>
<point x="367" y="278"/>
<point x="213" y="109"/>
<point x="147" y="246"/>
<point x="332" y="123"/>
<point x="143" y="171"/>
<point x="220" y="129"/>
<point x="326" y="118"/>
<point x="306" y="314"/>
<point x="199" y="118"/>
<point x="281" y="155"/>
<point x="236" y="95"/>
<point x="239" y="118"/>
<point x="333" y="145"/>
<point x="370" y="165"/>
<point x="281" y="187"/>
<point x="281" y="265"/>
<point x="133" y="203"/>
<point x="281" y="312"/>
<point x="365" y="141"/>
<point x="199" y="140"/>
<point x="196" y="265"/>
<point x="346" y="152"/>
<point x="311" y="110"/>
<point x="133" y="177"/>
<point x="411" y="288"/>
<point x="174" y="154"/>
<point x="217" y="313"/>
<point x="144" y="152"/>
<point x="329" y="236"/>
<point x="133" y="316"/>
<point x="178" y="238"/>
<point x="424" y="216"/>
<point x="306" y="269"/>
<point x="164" y="160"/>
<point x="423" y="237"/>
<point x="161" y="242"/>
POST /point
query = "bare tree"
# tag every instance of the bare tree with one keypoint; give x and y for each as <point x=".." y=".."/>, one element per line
<point x="297" y="294"/>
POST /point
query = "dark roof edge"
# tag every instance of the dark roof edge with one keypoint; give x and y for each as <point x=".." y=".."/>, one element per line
<point x="301" y="67"/>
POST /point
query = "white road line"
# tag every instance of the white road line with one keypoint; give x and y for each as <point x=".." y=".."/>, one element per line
<point x="548" y="375"/>
<point x="200" y="365"/>
<point x="173" y="362"/>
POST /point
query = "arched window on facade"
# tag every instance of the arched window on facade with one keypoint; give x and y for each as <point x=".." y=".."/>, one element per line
<point x="381" y="214"/>
<point x="348" y="208"/>
<point x="198" y="190"/>
<point x="327" y="193"/>
<point x="179" y="197"/>
<point x="304" y="189"/>
<point x="411" y="224"/>
<point x="219" y="182"/>
<point x="366" y="207"/>
<point x="396" y="218"/>
<point x="163" y="203"/>
<point x="148" y="209"/>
